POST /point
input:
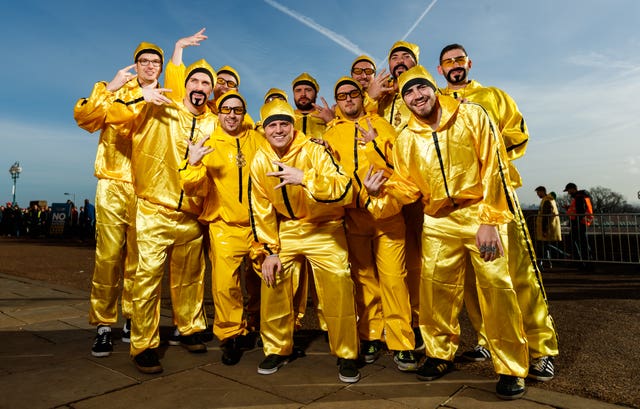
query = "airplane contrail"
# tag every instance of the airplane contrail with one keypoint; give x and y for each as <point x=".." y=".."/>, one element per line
<point x="333" y="36"/>
<point x="424" y="13"/>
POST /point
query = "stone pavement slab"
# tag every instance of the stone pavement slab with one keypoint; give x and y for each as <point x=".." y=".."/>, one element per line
<point x="45" y="362"/>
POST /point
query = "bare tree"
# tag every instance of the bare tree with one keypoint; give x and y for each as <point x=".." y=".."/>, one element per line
<point x="604" y="200"/>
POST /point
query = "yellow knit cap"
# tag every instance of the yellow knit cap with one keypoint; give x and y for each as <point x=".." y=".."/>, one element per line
<point x="363" y="58"/>
<point x="415" y="75"/>
<point x="276" y="110"/>
<point x="145" y="47"/>
<point x="230" y="70"/>
<point x="275" y="91"/>
<point x="305" y="78"/>
<point x="406" y="46"/>
<point x="230" y="94"/>
<point x="201" y="66"/>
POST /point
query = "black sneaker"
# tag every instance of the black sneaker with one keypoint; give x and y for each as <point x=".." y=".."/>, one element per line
<point x="231" y="351"/>
<point x="433" y="368"/>
<point x="541" y="369"/>
<point x="147" y="362"/>
<point x="477" y="354"/>
<point x="406" y="361"/>
<point x="510" y="387"/>
<point x="174" y="338"/>
<point x="102" y="345"/>
<point x="371" y="350"/>
<point x="419" y="341"/>
<point x="272" y="363"/>
<point x="193" y="343"/>
<point x="126" y="332"/>
<point x="348" y="371"/>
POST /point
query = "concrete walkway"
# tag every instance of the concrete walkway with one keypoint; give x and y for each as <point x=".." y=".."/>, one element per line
<point x="45" y="362"/>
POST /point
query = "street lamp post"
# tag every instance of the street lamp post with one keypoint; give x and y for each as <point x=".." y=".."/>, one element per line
<point x="71" y="194"/>
<point x="15" y="170"/>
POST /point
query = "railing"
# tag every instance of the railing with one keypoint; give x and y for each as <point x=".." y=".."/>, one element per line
<point x="611" y="238"/>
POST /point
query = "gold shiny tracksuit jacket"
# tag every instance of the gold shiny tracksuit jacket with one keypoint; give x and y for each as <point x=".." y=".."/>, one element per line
<point x="376" y="247"/>
<point x="459" y="171"/>
<point x="525" y="274"/>
<point x="222" y="178"/>
<point x="116" y="249"/>
<point x="309" y="125"/>
<point x="304" y="221"/>
<point x="167" y="225"/>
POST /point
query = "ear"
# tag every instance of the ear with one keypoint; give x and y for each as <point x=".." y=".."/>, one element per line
<point x="470" y="63"/>
<point x="440" y="70"/>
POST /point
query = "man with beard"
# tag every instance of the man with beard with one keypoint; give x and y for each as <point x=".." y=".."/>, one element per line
<point x="218" y="170"/>
<point x="311" y="119"/>
<point x="166" y="219"/>
<point x="116" y="250"/>
<point x="384" y="89"/>
<point x="376" y="247"/>
<point x="451" y="157"/>
<point x="523" y="267"/>
<point x="363" y="70"/>
<point x="296" y="196"/>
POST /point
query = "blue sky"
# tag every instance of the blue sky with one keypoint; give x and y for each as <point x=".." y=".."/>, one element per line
<point x="572" y="66"/>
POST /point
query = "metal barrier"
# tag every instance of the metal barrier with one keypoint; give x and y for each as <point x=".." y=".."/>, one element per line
<point x="611" y="238"/>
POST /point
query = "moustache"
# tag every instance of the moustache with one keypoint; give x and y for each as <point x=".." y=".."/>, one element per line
<point x="395" y="69"/>
<point x="198" y="98"/>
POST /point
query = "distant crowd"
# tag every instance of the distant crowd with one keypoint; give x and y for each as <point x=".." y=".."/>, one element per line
<point x="35" y="221"/>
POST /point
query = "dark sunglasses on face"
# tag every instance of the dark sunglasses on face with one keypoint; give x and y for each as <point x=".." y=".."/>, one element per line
<point x="341" y="96"/>
<point x="228" y="83"/>
<point x="236" y="110"/>
<point x="358" y="71"/>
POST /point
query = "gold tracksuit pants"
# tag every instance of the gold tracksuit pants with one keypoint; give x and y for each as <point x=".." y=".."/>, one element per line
<point x="116" y="251"/>
<point x="413" y="218"/>
<point x="448" y="244"/>
<point x="230" y="244"/>
<point x="325" y="247"/>
<point x="177" y="236"/>
<point x="377" y="255"/>
<point x="527" y="282"/>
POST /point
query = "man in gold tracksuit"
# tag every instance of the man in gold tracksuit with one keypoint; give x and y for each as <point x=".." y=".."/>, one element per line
<point x="450" y="156"/>
<point x="166" y="220"/>
<point x="307" y="120"/>
<point x="383" y="89"/>
<point x="218" y="169"/>
<point x="376" y="247"/>
<point x="525" y="274"/>
<point x="296" y="196"/>
<point x="116" y="250"/>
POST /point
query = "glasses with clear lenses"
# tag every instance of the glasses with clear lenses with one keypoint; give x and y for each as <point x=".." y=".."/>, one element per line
<point x="144" y="62"/>
<point x="236" y="110"/>
<point x="450" y="62"/>
<point x="228" y="83"/>
<point x="341" y="96"/>
<point x="358" y="71"/>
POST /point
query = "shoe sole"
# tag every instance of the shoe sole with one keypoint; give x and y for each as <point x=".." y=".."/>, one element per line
<point x="270" y="371"/>
<point x="420" y="347"/>
<point x="470" y="359"/>
<point x="348" y="379"/>
<point x="100" y="354"/>
<point x="126" y="340"/>
<point x="174" y="343"/>
<point x="540" y="378"/>
<point x="149" y="369"/>
<point x="428" y="378"/>
<point x="369" y="359"/>
<point x="195" y="349"/>
<point x="511" y="397"/>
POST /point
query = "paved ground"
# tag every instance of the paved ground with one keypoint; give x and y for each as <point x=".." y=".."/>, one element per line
<point x="45" y="360"/>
